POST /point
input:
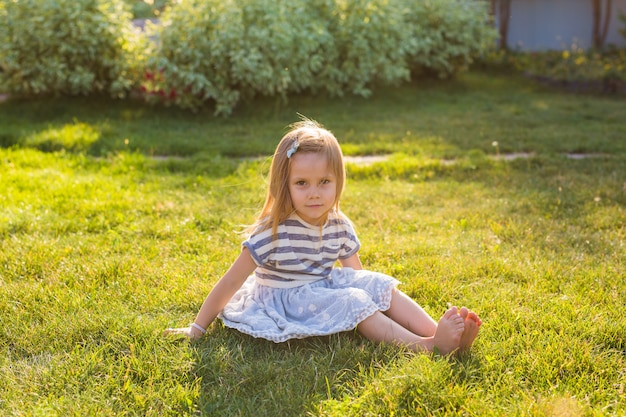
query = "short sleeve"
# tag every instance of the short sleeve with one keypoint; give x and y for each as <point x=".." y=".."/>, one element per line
<point x="260" y="245"/>
<point x="350" y="242"/>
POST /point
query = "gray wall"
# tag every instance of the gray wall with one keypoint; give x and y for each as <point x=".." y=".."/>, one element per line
<point x="558" y="24"/>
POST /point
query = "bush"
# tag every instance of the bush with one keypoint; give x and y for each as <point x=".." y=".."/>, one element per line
<point x="575" y="70"/>
<point x="370" y="45"/>
<point x="227" y="50"/>
<point x="446" y="35"/>
<point x="223" y="51"/>
<point x="68" y="47"/>
<point x="580" y="70"/>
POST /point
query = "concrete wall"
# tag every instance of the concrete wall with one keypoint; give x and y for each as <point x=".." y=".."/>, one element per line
<point x="558" y="24"/>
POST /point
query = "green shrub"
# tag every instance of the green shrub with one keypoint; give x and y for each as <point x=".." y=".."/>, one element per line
<point x="581" y="70"/>
<point x="370" y="41"/>
<point x="224" y="51"/>
<point x="68" y="47"/>
<point x="575" y="69"/>
<point x="446" y="35"/>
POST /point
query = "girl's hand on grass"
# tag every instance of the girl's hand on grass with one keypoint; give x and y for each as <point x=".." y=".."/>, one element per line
<point x="190" y="332"/>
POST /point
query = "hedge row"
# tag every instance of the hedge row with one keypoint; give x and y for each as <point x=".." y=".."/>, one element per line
<point x="222" y="51"/>
<point x="68" y="47"/>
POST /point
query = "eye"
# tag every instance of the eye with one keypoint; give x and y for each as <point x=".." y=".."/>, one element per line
<point x="325" y="181"/>
<point x="301" y="182"/>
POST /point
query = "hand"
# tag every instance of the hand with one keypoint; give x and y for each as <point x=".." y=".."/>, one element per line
<point x="190" y="332"/>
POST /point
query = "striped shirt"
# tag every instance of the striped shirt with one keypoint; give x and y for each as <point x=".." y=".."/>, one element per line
<point x="301" y="252"/>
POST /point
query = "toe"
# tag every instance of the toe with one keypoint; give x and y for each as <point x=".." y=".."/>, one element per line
<point x="451" y="312"/>
<point x="474" y="317"/>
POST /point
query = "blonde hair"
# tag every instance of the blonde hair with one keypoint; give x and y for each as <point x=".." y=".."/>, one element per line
<point x="306" y="136"/>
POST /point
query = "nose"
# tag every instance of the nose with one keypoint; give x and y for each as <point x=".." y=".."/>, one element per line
<point x="315" y="193"/>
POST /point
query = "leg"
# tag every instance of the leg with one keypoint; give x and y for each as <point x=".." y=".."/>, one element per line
<point x="380" y="328"/>
<point x="406" y="312"/>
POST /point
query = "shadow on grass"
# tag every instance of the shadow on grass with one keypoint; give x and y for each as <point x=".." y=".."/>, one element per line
<point x="241" y="375"/>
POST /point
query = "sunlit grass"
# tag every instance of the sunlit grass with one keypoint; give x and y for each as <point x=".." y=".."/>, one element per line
<point x="432" y="118"/>
<point x="102" y="246"/>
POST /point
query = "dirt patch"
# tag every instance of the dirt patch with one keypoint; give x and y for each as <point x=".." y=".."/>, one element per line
<point x="366" y="160"/>
<point x="585" y="155"/>
<point x="513" y="156"/>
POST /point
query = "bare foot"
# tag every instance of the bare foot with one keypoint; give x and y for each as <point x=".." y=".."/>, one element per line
<point x="449" y="331"/>
<point x="472" y="326"/>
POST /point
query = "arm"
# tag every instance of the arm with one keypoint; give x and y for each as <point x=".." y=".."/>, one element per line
<point x="352" y="262"/>
<point x="219" y="296"/>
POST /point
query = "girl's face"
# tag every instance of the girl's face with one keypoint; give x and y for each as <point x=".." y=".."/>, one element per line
<point x="313" y="186"/>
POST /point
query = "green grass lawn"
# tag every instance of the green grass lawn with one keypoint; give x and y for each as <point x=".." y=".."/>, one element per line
<point x="102" y="246"/>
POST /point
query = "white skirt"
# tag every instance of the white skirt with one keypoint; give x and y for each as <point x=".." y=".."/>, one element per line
<point x="324" y="307"/>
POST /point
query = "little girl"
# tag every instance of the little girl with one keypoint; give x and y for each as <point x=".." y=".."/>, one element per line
<point x="285" y="285"/>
